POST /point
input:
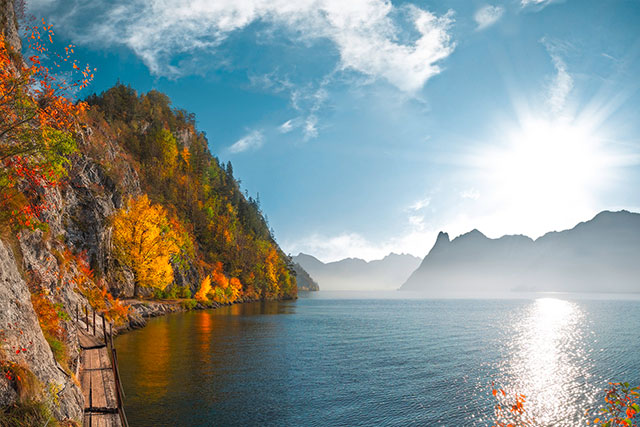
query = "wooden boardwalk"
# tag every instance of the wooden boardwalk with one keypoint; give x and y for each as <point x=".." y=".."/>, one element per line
<point x="102" y="401"/>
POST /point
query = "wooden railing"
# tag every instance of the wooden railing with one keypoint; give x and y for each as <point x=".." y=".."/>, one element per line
<point x="111" y="350"/>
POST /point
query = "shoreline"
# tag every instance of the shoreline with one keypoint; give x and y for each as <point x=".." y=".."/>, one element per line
<point x="143" y="309"/>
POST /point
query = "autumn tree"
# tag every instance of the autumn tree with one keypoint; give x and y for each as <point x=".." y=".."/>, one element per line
<point x="38" y="120"/>
<point x="145" y="242"/>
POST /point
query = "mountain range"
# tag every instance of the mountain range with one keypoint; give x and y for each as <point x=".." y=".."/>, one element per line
<point x="357" y="274"/>
<point x="599" y="255"/>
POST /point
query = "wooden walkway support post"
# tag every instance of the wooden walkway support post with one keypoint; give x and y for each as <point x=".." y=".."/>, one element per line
<point x="94" y="322"/>
<point x="86" y="317"/>
<point x="104" y="330"/>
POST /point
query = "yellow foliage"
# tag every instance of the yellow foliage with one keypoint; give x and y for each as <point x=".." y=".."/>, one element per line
<point x="168" y="150"/>
<point x="186" y="156"/>
<point x="236" y="288"/>
<point x="145" y="242"/>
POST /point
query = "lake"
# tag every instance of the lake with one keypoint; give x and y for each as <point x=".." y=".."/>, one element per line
<point x="365" y="359"/>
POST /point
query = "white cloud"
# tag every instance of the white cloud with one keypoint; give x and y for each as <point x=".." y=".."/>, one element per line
<point x="526" y="3"/>
<point x="537" y="4"/>
<point x="251" y="141"/>
<point x="417" y="221"/>
<point x="310" y="129"/>
<point x="366" y="33"/>
<point x="562" y="82"/>
<point x="488" y="15"/>
<point x="470" y="193"/>
<point x="354" y="245"/>
<point x="286" y="127"/>
<point x="420" y="204"/>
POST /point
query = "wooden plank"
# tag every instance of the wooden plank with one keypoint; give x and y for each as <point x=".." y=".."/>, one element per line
<point x="105" y="362"/>
<point x="90" y="363"/>
<point x="98" y="398"/>
<point x="110" y="389"/>
<point x="94" y="419"/>
<point x="85" y="383"/>
<point x="89" y="341"/>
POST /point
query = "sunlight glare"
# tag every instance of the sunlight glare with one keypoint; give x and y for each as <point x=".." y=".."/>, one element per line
<point x="545" y="168"/>
<point x="549" y="362"/>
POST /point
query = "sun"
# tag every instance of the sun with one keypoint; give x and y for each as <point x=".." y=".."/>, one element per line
<point x="543" y="170"/>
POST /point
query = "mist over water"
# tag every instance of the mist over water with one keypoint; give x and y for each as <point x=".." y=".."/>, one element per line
<point x="364" y="359"/>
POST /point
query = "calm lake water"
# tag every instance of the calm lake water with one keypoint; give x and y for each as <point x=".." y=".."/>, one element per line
<point x="357" y="359"/>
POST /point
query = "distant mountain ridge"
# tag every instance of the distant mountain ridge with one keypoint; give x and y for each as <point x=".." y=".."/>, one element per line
<point x="599" y="255"/>
<point x="357" y="274"/>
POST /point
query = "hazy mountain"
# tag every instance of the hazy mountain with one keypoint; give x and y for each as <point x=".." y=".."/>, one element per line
<point x="600" y="255"/>
<point x="357" y="274"/>
<point x="304" y="280"/>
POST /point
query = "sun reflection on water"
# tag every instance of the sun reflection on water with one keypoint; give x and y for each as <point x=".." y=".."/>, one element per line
<point x="550" y="362"/>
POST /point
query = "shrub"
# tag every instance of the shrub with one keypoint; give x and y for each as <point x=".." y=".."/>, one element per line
<point x="189" y="304"/>
<point x="60" y="351"/>
<point x="184" y="292"/>
<point x="27" y="414"/>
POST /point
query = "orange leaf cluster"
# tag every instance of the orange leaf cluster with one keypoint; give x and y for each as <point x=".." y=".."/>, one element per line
<point x="39" y="119"/>
<point x="621" y="407"/>
<point x="510" y="411"/>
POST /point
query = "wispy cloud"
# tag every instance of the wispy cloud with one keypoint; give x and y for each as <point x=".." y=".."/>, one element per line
<point x="310" y="127"/>
<point x="420" y="204"/>
<point x="562" y="82"/>
<point x="371" y="36"/>
<point x="488" y="15"/>
<point x="539" y="3"/>
<point x="286" y="127"/>
<point x="251" y="141"/>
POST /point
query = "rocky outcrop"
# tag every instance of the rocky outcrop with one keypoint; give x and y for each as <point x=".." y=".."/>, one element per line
<point x="25" y="345"/>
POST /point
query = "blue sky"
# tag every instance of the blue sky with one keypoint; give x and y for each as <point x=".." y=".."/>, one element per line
<point x="367" y="126"/>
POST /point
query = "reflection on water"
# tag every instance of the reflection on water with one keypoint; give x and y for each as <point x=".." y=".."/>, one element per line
<point x="319" y="361"/>
<point x="152" y="380"/>
<point x="549" y="362"/>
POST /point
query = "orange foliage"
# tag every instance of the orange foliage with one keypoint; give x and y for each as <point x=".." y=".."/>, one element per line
<point x="205" y="288"/>
<point x="509" y="411"/>
<point x="224" y="290"/>
<point x="621" y="408"/>
<point x="48" y="314"/>
<point x="95" y="291"/>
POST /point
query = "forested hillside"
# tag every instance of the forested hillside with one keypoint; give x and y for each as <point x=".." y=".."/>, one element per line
<point x="216" y="222"/>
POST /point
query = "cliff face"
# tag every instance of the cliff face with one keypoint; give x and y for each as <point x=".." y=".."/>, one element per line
<point x="599" y="255"/>
<point x="9" y="24"/>
<point x="25" y="345"/>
